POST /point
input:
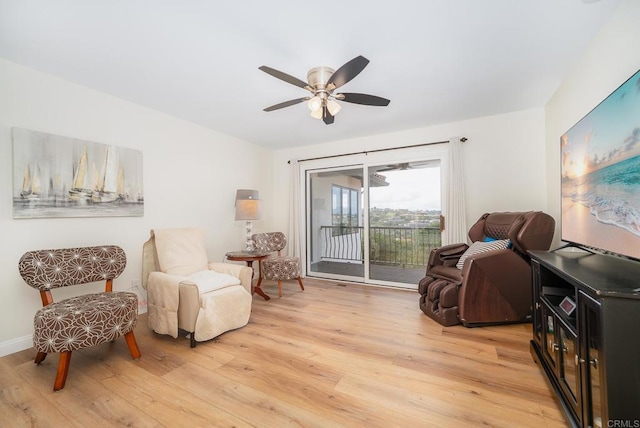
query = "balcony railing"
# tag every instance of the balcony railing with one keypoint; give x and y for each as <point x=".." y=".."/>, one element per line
<point x="395" y="246"/>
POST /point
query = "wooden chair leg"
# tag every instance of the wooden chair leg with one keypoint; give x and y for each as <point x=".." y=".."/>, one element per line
<point x="280" y="288"/>
<point x="300" y="282"/>
<point x="133" y="346"/>
<point x="40" y="357"/>
<point x="63" y="369"/>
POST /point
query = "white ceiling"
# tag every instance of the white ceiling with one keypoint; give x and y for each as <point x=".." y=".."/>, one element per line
<point x="436" y="60"/>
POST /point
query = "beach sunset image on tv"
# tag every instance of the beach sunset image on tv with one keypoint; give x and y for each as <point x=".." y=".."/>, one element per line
<point x="601" y="174"/>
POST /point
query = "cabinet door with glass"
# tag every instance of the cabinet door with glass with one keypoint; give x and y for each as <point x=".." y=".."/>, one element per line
<point x="560" y="350"/>
<point x="568" y="367"/>
<point x="589" y="359"/>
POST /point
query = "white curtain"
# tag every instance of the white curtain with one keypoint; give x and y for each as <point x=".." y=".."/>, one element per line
<point x="294" y="239"/>
<point x="455" y="221"/>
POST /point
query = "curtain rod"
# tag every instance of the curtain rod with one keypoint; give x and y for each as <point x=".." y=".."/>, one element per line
<point x="463" y="139"/>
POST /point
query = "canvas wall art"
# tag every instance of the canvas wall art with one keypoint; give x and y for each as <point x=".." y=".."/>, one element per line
<point x="55" y="176"/>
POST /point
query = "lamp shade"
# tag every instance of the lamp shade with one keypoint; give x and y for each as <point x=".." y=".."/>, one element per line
<point x="248" y="209"/>
<point x="333" y="107"/>
<point x="317" y="114"/>
<point x="315" y="103"/>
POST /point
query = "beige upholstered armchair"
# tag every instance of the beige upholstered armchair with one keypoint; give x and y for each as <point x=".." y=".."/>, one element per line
<point x="186" y="292"/>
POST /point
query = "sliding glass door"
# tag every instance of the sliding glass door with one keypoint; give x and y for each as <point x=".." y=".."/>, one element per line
<point x="373" y="222"/>
<point x="404" y="220"/>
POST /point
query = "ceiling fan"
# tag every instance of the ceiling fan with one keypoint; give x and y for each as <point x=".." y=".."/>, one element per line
<point x="403" y="166"/>
<point x="321" y="82"/>
<point x="395" y="167"/>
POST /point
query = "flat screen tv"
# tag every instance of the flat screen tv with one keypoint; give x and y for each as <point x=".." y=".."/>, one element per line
<point x="601" y="175"/>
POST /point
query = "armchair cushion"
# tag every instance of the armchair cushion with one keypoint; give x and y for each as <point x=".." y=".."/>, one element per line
<point x="83" y="321"/>
<point x="243" y="273"/>
<point x="181" y="251"/>
<point x="479" y="247"/>
<point x="209" y="280"/>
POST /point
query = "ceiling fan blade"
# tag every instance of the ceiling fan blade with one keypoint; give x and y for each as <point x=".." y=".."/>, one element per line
<point x="422" y="164"/>
<point x="368" y="100"/>
<point x="284" y="76"/>
<point x="327" y="118"/>
<point x="396" y="167"/>
<point x="286" y="104"/>
<point x="348" y="71"/>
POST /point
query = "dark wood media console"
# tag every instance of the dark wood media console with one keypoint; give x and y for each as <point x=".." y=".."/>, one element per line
<point x="586" y="334"/>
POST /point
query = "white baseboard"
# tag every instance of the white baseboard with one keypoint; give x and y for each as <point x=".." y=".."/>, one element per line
<point x="16" y="345"/>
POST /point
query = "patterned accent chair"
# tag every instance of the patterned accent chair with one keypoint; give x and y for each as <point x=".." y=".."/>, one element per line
<point x="82" y="321"/>
<point x="276" y="267"/>
<point x="486" y="283"/>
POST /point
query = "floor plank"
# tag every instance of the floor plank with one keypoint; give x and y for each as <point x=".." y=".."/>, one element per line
<point x="330" y="356"/>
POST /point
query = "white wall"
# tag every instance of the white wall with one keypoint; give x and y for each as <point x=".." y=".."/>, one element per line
<point x="504" y="161"/>
<point x="610" y="59"/>
<point x="190" y="177"/>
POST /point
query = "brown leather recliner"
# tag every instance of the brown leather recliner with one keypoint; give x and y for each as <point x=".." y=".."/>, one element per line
<point x="492" y="287"/>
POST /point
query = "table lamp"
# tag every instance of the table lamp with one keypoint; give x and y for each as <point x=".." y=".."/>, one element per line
<point x="248" y="207"/>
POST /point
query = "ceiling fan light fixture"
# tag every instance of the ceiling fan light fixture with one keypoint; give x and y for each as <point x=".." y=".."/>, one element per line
<point x="333" y="107"/>
<point x="315" y="104"/>
<point x="316" y="114"/>
<point x="321" y="82"/>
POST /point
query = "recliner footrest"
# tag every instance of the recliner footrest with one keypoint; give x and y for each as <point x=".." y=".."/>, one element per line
<point x="439" y="300"/>
<point x="223" y="310"/>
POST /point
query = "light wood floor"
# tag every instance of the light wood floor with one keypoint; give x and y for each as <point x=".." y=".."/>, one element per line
<point x="328" y="356"/>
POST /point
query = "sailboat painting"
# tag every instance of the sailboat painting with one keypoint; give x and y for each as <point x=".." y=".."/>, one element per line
<point x="55" y="176"/>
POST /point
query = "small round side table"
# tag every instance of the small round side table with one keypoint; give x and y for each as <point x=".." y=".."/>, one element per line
<point x="249" y="257"/>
